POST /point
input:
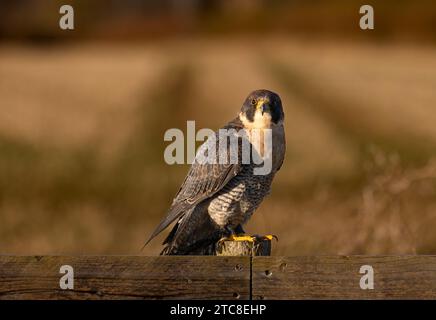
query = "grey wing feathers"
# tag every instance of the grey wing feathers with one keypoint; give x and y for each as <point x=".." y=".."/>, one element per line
<point x="203" y="180"/>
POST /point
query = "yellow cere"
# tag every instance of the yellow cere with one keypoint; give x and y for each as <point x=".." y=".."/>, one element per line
<point x="260" y="102"/>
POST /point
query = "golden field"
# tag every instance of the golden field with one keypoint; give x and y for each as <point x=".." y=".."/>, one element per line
<point x="81" y="141"/>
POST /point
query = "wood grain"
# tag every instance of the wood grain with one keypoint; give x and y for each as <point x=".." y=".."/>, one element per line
<point x="208" y="277"/>
<point x="338" y="277"/>
<point x="126" y="277"/>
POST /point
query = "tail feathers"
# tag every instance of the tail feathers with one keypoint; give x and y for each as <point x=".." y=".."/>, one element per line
<point x="176" y="212"/>
<point x="172" y="234"/>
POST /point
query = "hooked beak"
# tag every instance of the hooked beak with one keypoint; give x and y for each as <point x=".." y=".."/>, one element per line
<point x="264" y="107"/>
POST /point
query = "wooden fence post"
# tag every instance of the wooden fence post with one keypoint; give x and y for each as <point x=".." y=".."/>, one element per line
<point x="258" y="247"/>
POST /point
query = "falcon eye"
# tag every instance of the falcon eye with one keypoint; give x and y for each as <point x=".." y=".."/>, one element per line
<point x="253" y="102"/>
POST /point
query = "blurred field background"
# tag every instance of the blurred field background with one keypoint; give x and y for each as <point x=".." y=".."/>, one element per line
<point x="83" y="113"/>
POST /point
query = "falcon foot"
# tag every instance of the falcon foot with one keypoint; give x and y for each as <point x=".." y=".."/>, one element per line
<point x="244" y="245"/>
<point x="254" y="238"/>
<point x="234" y="237"/>
<point x="241" y="238"/>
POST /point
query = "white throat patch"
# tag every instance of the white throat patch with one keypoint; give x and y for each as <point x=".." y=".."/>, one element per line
<point x="260" y="121"/>
<point x="256" y="132"/>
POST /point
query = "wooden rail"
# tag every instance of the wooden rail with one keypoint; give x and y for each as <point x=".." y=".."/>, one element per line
<point x="205" y="277"/>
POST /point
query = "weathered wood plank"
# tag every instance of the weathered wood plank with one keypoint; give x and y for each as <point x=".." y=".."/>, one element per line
<point x="126" y="277"/>
<point x="197" y="277"/>
<point x="338" y="277"/>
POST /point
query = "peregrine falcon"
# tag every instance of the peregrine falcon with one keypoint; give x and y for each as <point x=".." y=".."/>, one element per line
<point x="217" y="199"/>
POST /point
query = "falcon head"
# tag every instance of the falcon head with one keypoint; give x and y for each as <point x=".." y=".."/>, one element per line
<point x="261" y="110"/>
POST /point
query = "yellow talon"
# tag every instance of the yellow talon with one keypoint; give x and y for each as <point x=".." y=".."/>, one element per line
<point x="270" y="237"/>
